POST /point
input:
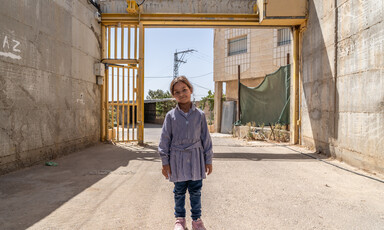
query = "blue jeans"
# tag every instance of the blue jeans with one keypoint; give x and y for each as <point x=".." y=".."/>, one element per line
<point x="194" y="189"/>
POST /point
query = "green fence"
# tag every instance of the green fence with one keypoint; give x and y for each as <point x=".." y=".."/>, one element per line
<point x="268" y="102"/>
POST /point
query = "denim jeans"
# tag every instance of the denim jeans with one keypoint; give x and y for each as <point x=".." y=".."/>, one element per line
<point x="194" y="189"/>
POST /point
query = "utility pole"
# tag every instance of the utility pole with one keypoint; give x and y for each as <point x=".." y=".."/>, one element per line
<point x="177" y="61"/>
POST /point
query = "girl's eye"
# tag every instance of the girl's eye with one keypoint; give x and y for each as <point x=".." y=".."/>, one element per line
<point x="184" y="90"/>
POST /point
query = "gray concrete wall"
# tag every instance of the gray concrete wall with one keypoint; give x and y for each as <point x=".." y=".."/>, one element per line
<point x="182" y="7"/>
<point x="343" y="81"/>
<point x="49" y="100"/>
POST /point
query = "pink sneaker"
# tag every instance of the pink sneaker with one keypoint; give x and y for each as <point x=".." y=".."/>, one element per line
<point x="198" y="225"/>
<point x="180" y="223"/>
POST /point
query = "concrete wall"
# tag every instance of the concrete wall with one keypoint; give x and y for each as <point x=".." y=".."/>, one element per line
<point x="342" y="81"/>
<point x="49" y="100"/>
<point x="182" y="6"/>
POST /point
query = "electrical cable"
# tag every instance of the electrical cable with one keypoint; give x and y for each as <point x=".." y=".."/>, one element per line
<point x="202" y="75"/>
<point x="201" y="57"/>
<point x="172" y="76"/>
<point x="140" y="3"/>
<point x="200" y="86"/>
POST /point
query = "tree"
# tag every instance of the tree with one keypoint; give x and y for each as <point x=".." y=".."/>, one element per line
<point x="210" y="100"/>
<point x="158" y="94"/>
<point x="161" y="107"/>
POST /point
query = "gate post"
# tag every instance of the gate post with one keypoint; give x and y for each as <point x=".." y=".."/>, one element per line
<point x="140" y="111"/>
<point x="295" y="86"/>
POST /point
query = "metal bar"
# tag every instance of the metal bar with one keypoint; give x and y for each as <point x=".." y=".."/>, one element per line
<point x="238" y="93"/>
<point x="118" y="105"/>
<point x="129" y="42"/>
<point x="115" y="42"/>
<point x="123" y="114"/>
<point x="122" y="42"/>
<point x="135" y="55"/>
<point x="113" y="101"/>
<point x="140" y="82"/>
<point x="128" y="100"/>
<point x="287" y="58"/>
<point x="133" y="104"/>
<point x="109" y="41"/>
<point x="170" y="16"/>
<point x="106" y="100"/>
<point x="295" y="120"/>
<point x="121" y="61"/>
<point x="102" y="109"/>
<point x="201" y="20"/>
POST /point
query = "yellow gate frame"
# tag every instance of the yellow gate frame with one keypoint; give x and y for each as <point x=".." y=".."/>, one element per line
<point x="200" y="21"/>
<point x="134" y="61"/>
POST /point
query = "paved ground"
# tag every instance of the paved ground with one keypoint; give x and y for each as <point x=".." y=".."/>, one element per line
<point x="254" y="186"/>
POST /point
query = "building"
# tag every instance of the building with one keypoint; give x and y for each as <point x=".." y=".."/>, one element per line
<point x="258" y="52"/>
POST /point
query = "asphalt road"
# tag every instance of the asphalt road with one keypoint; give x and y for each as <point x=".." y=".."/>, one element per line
<point x="254" y="185"/>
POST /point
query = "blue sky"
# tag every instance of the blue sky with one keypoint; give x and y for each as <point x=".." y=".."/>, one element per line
<point x="160" y="46"/>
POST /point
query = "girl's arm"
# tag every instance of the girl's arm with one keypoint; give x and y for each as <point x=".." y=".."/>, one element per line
<point x="165" y="140"/>
<point x="206" y="141"/>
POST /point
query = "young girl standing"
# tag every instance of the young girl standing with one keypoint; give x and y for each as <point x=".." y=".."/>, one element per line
<point x="186" y="152"/>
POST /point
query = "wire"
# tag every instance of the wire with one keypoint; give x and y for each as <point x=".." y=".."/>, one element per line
<point x="172" y="76"/>
<point x="140" y="3"/>
<point x="203" y="58"/>
<point x="202" y="75"/>
<point x="200" y="86"/>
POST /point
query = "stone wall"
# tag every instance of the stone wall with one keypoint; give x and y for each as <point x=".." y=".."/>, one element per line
<point x="49" y="100"/>
<point x="256" y="62"/>
<point x="342" y="101"/>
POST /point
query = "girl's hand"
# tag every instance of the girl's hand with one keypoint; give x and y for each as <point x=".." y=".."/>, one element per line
<point x="208" y="169"/>
<point x="166" y="171"/>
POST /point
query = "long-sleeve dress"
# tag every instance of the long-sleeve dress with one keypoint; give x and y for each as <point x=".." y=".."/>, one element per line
<point x="185" y="144"/>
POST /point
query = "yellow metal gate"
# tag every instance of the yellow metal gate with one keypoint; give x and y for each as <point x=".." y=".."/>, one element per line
<point x="123" y="89"/>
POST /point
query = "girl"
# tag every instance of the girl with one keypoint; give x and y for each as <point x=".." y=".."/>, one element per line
<point x="186" y="152"/>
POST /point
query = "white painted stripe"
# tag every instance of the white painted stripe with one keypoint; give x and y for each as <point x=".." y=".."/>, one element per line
<point x="10" y="55"/>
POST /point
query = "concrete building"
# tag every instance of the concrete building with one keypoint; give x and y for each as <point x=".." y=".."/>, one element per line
<point x="50" y="103"/>
<point x="257" y="51"/>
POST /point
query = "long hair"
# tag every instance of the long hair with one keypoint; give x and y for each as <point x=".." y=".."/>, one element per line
<point x="180" y="79"/>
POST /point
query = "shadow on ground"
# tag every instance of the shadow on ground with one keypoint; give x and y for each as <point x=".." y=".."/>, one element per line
<point x="29" y="195"/>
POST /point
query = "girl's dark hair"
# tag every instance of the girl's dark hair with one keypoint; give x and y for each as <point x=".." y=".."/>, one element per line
<point x="180" y="79"/>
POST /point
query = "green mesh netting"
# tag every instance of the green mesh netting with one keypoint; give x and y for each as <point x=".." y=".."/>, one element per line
<point x="268" y="102"/>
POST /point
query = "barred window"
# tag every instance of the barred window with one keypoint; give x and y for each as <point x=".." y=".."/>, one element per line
<point x="237" y="45"/>
<point x="283" y="36"/>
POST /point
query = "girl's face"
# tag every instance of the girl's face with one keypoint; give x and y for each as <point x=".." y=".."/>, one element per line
<point x="182" y="93"/>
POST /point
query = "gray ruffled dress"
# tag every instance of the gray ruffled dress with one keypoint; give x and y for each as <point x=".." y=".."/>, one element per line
<point x="185" y="144"/>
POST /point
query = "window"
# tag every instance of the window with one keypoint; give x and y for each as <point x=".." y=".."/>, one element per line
<point x="237" y="45"/>
<point x="283" y="36"/>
